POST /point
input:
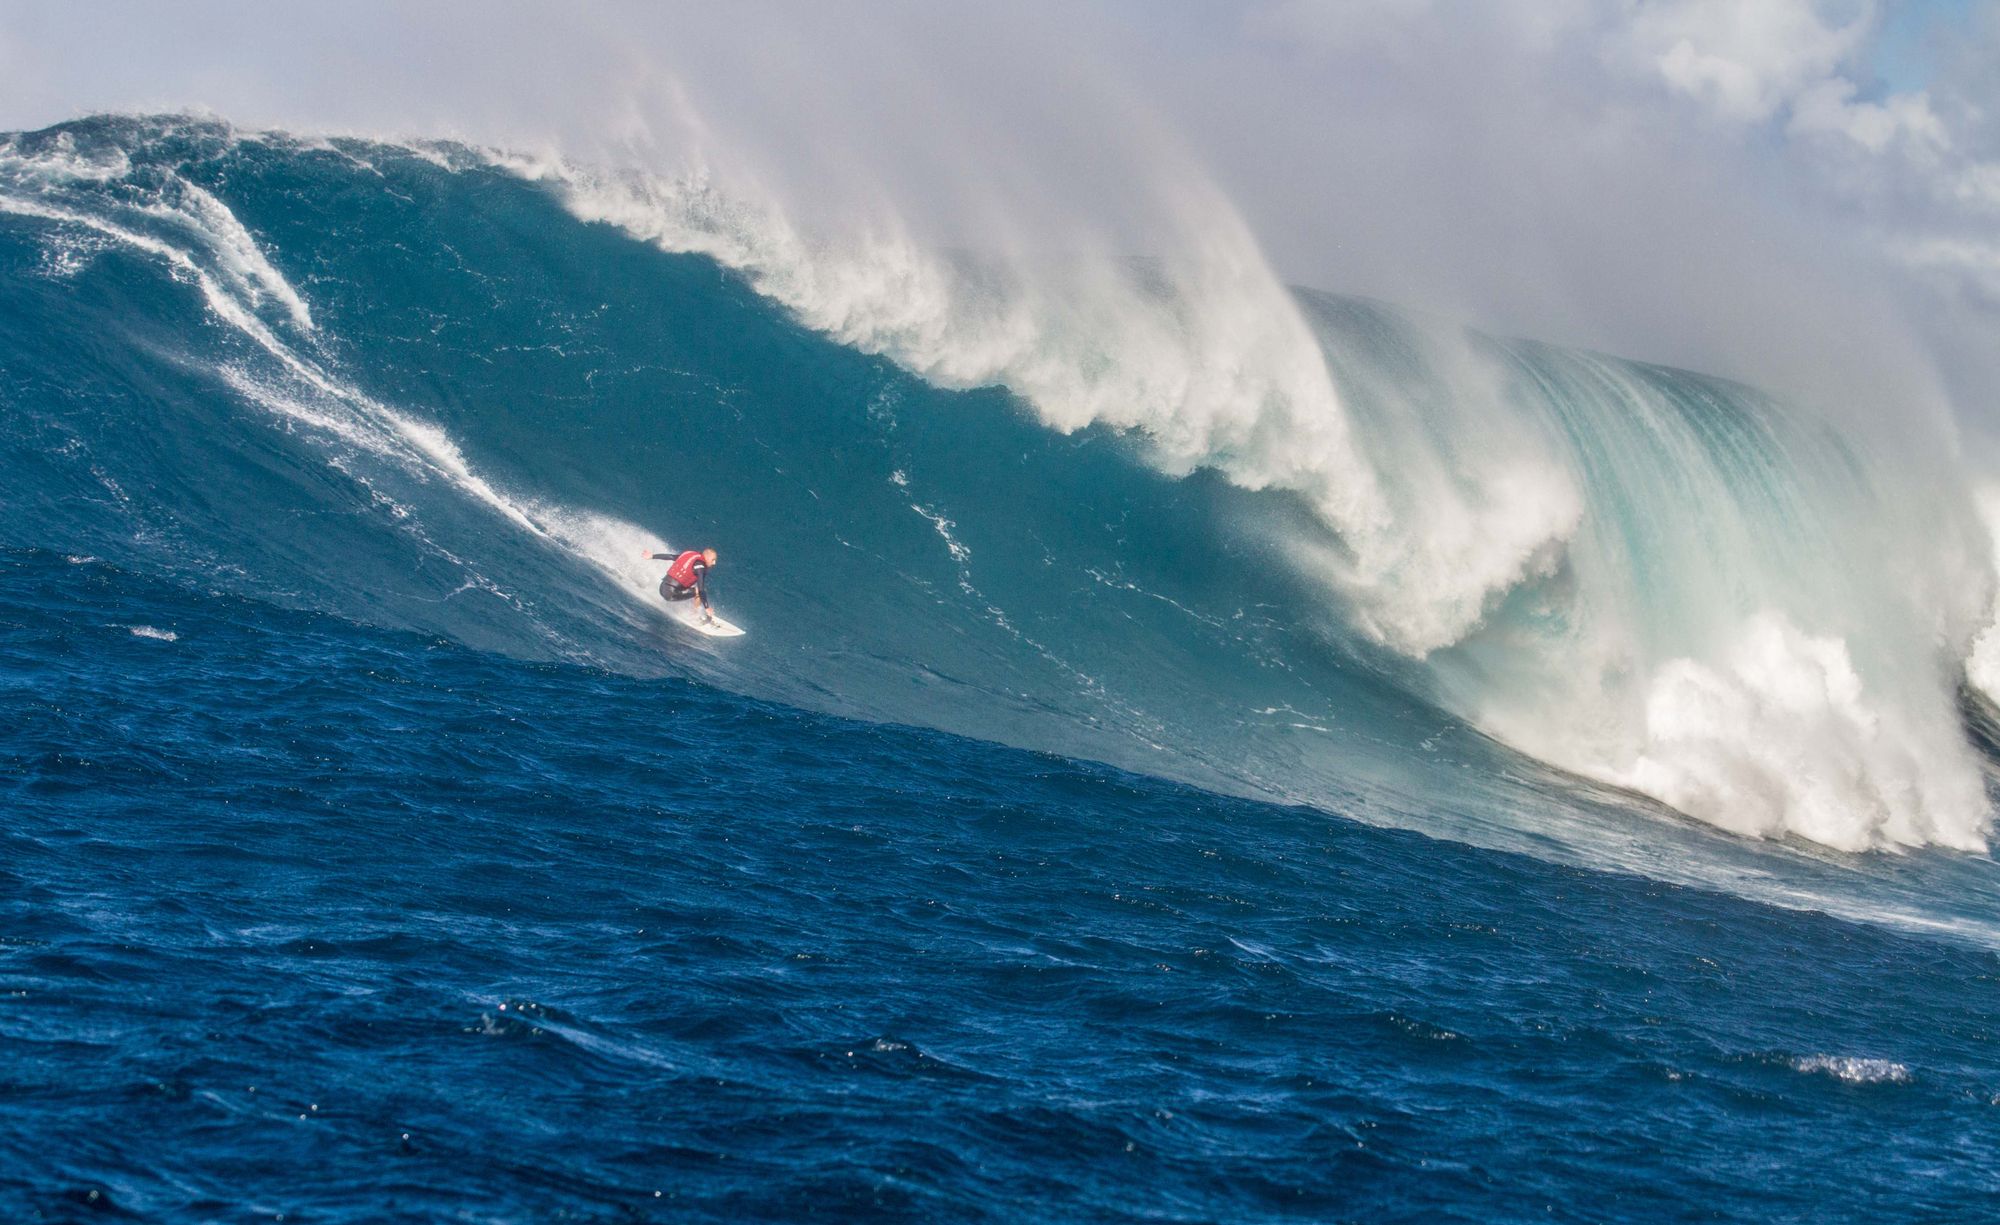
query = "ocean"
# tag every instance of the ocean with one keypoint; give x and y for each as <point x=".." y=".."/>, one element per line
<point x="1196" y="754"/>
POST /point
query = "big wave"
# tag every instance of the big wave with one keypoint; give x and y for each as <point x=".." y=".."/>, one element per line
<point x="1167" y="512"/>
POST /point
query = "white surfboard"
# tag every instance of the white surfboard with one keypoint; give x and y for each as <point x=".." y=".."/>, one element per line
<point x="688" y="613"/>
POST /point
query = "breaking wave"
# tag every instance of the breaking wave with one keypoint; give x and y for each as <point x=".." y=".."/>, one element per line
<point x="1167" y="512"/>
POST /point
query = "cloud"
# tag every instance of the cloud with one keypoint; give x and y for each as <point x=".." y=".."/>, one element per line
<point x="1907" y="169"/>
<point x="1745" y="61"/>
<point x="1828" y="107"/>
<point x="1750" y="63"/>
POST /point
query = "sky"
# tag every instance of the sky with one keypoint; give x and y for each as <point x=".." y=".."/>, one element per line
<point x="1804" y="194"/>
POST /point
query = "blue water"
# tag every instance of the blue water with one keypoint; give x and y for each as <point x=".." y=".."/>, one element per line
<point x="374" y="850"/>
<point x="283" y="891"/>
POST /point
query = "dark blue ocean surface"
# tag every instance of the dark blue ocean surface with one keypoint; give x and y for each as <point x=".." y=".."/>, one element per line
<point x="302" y="918"/>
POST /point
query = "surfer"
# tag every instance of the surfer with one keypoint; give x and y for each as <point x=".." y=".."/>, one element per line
<point x="687" y="578"/>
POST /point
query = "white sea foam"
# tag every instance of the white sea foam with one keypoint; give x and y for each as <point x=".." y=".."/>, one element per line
<point x="60" y="162"/>
<point x="621" y="549"/>
<point x="235" y="276"/>
<point x="1854" y="1070"/>
<point x="148" y="631"/>
<point x="237" y="255"/>
<point x="1779" y="736"/>
<point x="961" y="556"/>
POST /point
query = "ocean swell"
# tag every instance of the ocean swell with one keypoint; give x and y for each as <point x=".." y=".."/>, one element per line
<point x="1661" y="581"/>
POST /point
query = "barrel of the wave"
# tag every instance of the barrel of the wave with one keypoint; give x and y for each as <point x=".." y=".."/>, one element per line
<point x="684" y="587"/>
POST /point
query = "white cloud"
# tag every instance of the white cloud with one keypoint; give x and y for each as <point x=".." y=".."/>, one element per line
<point x="1828" y="108"/>
<point x="1745" y="61"/>
<point x="1756" y="62"/>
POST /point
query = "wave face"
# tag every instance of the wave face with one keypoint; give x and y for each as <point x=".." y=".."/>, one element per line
<point x="1164" y="513"/>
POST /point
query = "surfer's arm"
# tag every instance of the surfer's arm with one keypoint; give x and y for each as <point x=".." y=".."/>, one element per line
<point x="662" y="556"/>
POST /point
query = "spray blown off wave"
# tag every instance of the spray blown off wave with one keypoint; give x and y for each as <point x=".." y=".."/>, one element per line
<point x="1655" y="579"/>
<point x="1342" y="515"/>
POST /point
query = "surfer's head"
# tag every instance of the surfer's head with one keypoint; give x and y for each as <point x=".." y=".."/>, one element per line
<point x="708" y="555"/>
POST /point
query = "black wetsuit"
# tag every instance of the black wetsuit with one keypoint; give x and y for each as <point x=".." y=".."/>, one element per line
<point x="670" y="590"/>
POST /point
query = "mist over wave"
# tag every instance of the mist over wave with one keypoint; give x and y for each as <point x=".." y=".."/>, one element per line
<point x="1663" y="581"/>
<point x="1167" y="511"/>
